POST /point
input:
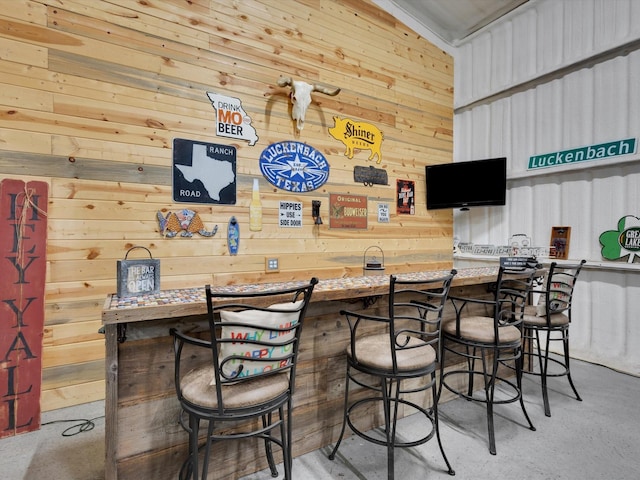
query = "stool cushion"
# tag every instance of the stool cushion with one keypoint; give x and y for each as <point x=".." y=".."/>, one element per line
<point x="480" y="329"/>
<point x="531" y="318"/>
<point x="196" y="388"/>
<point x="375" y="351"/>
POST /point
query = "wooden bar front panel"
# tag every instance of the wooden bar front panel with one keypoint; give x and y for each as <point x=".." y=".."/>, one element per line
<point x="144" y="437"/>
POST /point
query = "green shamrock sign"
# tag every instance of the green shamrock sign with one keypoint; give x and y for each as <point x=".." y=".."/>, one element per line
<point x="624" y="241"/>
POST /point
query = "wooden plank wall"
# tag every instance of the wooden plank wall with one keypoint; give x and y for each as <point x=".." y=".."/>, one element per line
<point x="92" y="95"/>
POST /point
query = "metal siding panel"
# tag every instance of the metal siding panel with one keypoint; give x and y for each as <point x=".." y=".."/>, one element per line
<point x="550" y="37"/>
<point x="482" y="66"/>
<point x="579" y="21"/>
<point x="501" y="68"/>
<point x="612" y="25"/>
<point x="610" y="100"/>
<point x="588" y="106"/>
<point x="463" y="84"/>
<point x="550" y="34"/>
<point x="578" y="108"/>
<point x="525" y="40"/>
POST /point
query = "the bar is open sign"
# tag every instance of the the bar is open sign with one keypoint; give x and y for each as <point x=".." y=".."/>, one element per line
<point x="138" y="277"/>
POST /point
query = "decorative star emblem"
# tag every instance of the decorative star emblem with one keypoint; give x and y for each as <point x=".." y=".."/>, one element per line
<point x="297" y="167"/>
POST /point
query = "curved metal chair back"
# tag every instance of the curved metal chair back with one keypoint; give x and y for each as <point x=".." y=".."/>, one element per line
<point x="415" y="313"/>
<point x="398" y="354"/>
<point x="489" y="335"/>
<point x="560" y="285"/>
<point x="552" y="318"/>
<point x="248" y="373"/>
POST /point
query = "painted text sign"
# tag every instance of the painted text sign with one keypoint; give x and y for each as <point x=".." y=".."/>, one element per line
<point x="290" y="214"/>
<point x="581" y="154"/>
<point x="231" y="119"/>
<point x="347" y="211"/>
<point x="23" y="245"/>
<point x="294" y="166"/>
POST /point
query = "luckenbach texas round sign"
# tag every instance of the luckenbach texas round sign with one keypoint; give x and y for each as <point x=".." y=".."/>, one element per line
<point x="294" y="166"/>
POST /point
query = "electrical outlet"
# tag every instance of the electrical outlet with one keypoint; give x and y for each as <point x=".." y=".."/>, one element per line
<point x="271" y="265"/>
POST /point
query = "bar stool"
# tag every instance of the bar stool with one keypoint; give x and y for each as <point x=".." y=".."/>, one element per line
<point x="400" y="361"/>
<point x="552" y="318"/>
<point x="248" y="377"/>
<point x="490" y="335"/>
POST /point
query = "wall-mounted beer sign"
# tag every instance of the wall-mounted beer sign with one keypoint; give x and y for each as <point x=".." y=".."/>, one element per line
<point x="623" y="241"/>
<point x="347" y="211"/>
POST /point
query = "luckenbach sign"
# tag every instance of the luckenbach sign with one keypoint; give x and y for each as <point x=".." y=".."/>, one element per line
<point x="580" y="154"/>
<point x="23" y="234"/>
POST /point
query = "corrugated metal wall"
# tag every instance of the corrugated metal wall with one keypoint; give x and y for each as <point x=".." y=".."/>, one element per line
<point x="555" y="75"/>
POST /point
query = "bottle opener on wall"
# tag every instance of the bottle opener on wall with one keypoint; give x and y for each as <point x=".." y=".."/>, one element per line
<point x="233" y="236"/>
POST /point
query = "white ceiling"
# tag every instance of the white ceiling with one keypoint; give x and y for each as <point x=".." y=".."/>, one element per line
<point x="453" y="20"/>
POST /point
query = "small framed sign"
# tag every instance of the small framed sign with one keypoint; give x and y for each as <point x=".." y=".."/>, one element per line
<point x="348" y="211"/>
<point x="138" y="277"/>
<point x="559" y="244"/>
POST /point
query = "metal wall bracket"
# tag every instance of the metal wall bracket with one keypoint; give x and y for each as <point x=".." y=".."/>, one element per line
<point x="122" y="332"/>
<point x="371" y="300"/>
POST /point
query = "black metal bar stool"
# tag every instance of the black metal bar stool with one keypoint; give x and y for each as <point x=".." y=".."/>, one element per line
<point x="548" y="322"/>
<point x="402" y="360"/>
<point x="247" y="379"/>
<point x="491" y="337"/>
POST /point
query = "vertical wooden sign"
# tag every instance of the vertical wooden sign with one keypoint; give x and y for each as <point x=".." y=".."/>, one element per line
<point x="23" y="242"/>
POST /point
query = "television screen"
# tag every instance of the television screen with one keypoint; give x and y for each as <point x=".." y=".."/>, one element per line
<point x="467" y="184"/>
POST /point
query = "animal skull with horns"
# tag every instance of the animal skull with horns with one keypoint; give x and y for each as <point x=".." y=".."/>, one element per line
<point x="301" y="96"/>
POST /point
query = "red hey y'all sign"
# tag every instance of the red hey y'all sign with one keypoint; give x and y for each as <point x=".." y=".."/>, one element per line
<point x="23" y="243"/>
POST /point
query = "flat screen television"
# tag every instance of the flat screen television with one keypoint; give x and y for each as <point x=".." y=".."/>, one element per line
<point x="467" y="184"/>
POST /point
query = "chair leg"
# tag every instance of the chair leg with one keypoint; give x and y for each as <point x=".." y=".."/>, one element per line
<point x="194" y="427"/>
<point x="332" y="455"/>
<point x="471" y="365"/>
<point x="565" y="342"/>
<point x="266" y="421"/>
<point x="207" y="451"/>
<point x="490" y="393"/>
<point x="519" y="362"/>
<point x="390" y="421"/>
<point x="286" y="442"/>
<point x="543" y="375"/>
<point x="435" y="392"/>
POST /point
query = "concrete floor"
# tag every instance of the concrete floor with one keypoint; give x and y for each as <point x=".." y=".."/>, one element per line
<point x="597" y="438"/>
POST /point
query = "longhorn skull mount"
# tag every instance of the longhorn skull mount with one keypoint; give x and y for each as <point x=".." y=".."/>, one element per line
<point x="301" y="96"/>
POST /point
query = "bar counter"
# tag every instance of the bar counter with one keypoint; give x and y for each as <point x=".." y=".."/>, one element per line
<point x="142" y="433"/>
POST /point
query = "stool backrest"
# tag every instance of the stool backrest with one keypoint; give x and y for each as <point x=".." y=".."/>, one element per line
<point x="513" y="287"/>
<point x="557" y="296"/>
<point x="416" y="308"/>
<point x="256" y="333"/>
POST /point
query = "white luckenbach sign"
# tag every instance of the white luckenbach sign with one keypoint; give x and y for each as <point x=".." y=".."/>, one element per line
<point x="580" y="154"/>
